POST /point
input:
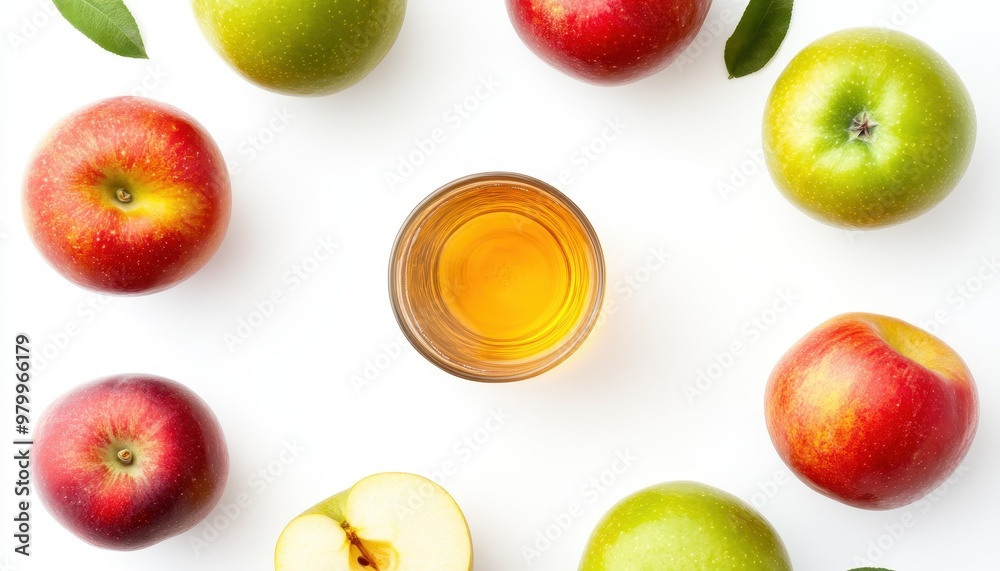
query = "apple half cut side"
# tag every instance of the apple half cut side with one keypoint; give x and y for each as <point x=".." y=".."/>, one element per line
<point x="386" y="522"/>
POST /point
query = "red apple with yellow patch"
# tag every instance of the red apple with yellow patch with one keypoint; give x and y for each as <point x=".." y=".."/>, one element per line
<point x="127" y="196"/>
<point x="871" y="411"/>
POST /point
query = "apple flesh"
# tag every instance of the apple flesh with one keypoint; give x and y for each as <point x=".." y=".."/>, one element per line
<point x="684" y="526"/>
<point x="608" y="42"/>
<point x="385" y="522"/>
<point x="127" y="196"/>
<point x="127" y="461"/>
<point x="868" y="127"/>
<point x="301" y="47"/>
<point x="871" y="411"/>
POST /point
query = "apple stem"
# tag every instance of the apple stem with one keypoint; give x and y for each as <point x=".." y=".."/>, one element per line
<point x="863" y="127"/>
<point x="366" y="559"/>
<point x="123" y="195"/>
<point x="125" y="456"/>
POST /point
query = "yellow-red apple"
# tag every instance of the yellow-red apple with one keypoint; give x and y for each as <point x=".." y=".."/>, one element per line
<point x="127" y="196"/>
<point x="871" y="411"/>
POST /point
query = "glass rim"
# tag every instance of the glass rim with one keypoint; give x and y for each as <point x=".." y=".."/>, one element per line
<point x="480" y="371"/>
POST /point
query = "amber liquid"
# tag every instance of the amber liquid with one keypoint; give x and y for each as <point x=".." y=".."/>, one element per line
<point x="508" y="277"/>
<point x="501" y="273"/>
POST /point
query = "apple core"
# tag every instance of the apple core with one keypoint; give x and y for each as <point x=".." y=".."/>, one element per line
<point x="375" y="555"/>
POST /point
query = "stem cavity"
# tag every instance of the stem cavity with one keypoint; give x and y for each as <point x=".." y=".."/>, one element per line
<point x="123" y="196"/>
<point x="125" y="456"/>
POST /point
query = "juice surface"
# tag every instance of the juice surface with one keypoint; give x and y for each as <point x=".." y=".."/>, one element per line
<point x="504" y="276"/>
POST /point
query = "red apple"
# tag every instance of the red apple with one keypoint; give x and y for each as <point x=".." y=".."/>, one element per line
<point x="127" y="196"/>
<point x="129" y="460"/>
<point x="608" y="42"/>
<point x="871" y="411"/>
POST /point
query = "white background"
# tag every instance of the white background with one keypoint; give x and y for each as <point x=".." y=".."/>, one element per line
<point x="656" y="187"/>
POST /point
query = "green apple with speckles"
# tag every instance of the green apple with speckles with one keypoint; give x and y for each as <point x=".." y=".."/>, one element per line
<point x="301" y="47"/>
<point x="684" y="526"/>
<point x="868" y="127"/>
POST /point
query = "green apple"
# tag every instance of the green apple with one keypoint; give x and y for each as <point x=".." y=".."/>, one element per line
<point x="684" y="526"/>
<point x="868" y="127"/>
<point x="301" y="47"/>
<point x="386" y="522"/>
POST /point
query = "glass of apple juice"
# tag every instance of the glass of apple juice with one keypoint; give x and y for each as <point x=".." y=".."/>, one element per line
<point x="496" y="277"/>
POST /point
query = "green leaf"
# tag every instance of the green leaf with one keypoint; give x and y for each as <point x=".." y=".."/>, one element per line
<point x="107" y="22"/>
<point x="757" y="36"/>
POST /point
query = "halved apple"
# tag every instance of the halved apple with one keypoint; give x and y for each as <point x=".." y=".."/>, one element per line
<point x="386" y="522"/>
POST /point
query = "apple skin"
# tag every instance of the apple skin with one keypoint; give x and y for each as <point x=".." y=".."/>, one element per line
<point x="301" y="47"/>
<point x="178" y="205"/>
<point x="608" y="42"/>
<point x="178" y="469"/>
<point x="684" y="526"/>
<point x="871" y="411"/>
<point x="915" y="155"/>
